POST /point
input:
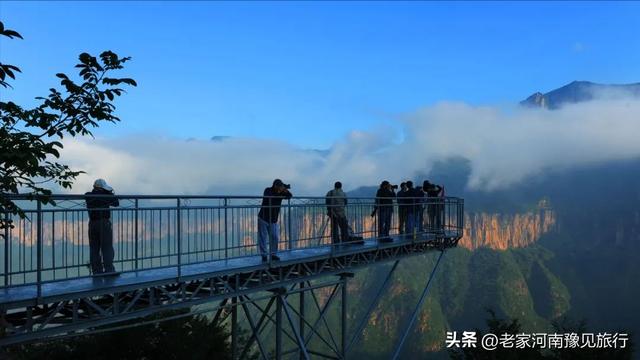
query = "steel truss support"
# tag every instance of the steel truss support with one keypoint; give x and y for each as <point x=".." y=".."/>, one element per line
<point x="78" y="312"/>
<point x="416" y="311"/>
<point x="305" y="319"/>
<point x="298" y="330"/>
<point x="372" y="306"/>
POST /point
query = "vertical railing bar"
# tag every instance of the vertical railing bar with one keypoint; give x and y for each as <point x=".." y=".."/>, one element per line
<point x="187" y="232"/>
<point x="39" y="251"/>
<point x="6" y="248"/>
<point x="151" y="237"/>
<point x="121" y="248"/>
<point x="289" y="237"/>
<point x="65" y="244"/>
<point x="179" y="238"/>
<point x="135" y="233"/>
<point x="226" y="235"/>
<point x="24" y="253"/>
<point x="10" y="253"/>
<point x="75" y="247"/>
<point x="169" y="235"/>
<point x="53" y="243"/>
<point x="160" y="236"/>
<point x="219" y="234"/>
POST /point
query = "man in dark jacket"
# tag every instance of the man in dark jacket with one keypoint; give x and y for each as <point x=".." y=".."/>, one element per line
<point x="420" y="200"/>
<point x="407" y="201"/>
<point x="268" y="226"/>
<point x="100" y="230"/>
<point x="435" y="205"/>
<point x="402" y="208"/>
<point x="384" y="209"/>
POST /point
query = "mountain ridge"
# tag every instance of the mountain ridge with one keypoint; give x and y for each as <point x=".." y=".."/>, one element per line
<point x="579" y="91"/>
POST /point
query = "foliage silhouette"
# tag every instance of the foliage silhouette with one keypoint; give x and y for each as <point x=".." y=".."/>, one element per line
<point x="194" y="337"/>
<point x="30" y="139"/>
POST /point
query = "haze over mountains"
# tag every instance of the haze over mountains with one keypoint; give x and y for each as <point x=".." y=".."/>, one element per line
<point x="565" y="243"/>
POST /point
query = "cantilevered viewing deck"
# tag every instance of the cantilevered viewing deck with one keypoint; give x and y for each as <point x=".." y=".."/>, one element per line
<point x="175" y="252"/>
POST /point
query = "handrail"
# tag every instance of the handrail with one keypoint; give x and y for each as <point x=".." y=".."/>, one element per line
<point x="52" y="243"/>
<point x="203" y="197"/>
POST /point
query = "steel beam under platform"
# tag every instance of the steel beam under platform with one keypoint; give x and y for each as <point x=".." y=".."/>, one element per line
<point x="70" y="310"/>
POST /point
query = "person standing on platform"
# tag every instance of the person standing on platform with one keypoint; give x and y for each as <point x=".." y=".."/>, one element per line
<point x="408" y="202"/>
<point x="384" y="209"/>
<point x="420" y="199"/>
<point x="336" y="200"/>
<point x="268" y="226"/>
<point x="402" y="208"/>
<point x="101" y="251"/>
<point x="435" y="205"/>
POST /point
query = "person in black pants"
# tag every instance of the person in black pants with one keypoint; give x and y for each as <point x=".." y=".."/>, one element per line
<point x="336" y="200"/>
<point x="100" y="230"/>
<point x="407" y="201"/>
<point x="420" y="200"/>
<point x="384" y="208"/>
<point x="435" y="205"/>
<point x="402" y="208"/>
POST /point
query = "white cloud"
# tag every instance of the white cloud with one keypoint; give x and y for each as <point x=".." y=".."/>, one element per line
<point x="503" y="146"/>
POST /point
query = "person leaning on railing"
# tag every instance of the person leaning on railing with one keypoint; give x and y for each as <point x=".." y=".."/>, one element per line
<point x="100" y="231"/>
<point x="268" y="218"/>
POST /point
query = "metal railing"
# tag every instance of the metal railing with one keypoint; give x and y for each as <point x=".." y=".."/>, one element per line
<point x="52" y="242"/>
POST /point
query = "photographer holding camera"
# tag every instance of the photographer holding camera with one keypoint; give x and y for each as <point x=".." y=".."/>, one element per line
<point x="100" y="229"/>
<point x="435" y="205"/>
<point x="384" y="208"/>
<point x="268" y="226"/>
<point x="409" y="202"/>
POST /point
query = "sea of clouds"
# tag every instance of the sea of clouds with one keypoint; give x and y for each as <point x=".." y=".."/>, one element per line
<point x="504" y="146"/>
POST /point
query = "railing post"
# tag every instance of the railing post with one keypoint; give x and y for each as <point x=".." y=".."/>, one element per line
<point x="135" y="234"/>
<point x="179" y="237"/>
<point x="461" y="221"/>
<point x="39" y="250"/>
<point x="289" y="224"/>
<point x="6" y="248"/>
<point x="226" y="232"/>
<point x="331" y="244"/>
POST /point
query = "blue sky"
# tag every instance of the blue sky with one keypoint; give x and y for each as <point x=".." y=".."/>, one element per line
<point x="308" y="73"/>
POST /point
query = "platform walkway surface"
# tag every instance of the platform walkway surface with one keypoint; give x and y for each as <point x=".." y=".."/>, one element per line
<point x="87" y="285"/>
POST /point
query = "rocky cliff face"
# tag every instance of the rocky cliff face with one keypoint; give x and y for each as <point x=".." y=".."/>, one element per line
<point x="535" y="100"/>
<point x="500" y="231"/>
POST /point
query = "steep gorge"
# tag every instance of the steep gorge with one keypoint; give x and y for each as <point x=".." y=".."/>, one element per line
<point x="506" y="231"/>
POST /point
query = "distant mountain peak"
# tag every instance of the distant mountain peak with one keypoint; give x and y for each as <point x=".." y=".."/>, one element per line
<point x="219" y="138"/>
<point x="578" y="91"/>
